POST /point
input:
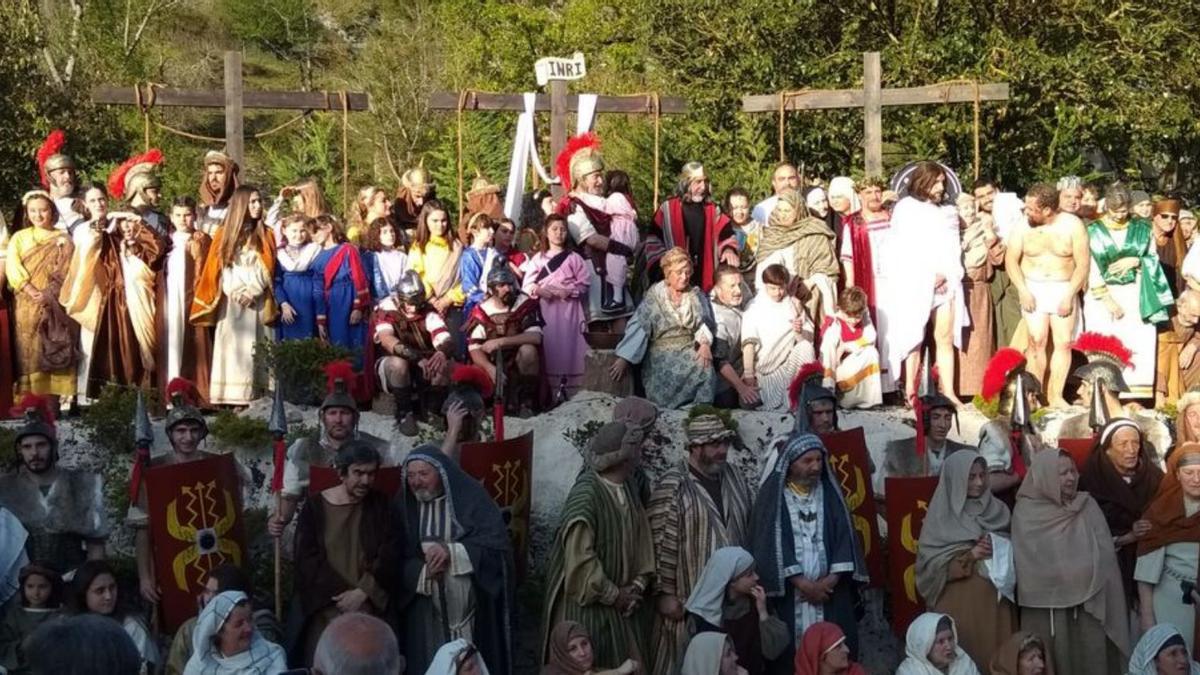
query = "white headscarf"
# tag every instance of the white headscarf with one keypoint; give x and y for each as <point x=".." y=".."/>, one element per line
<point x="919" y="640"/>
<point x="1142" y="661"/>
<point x="703" y="655"/>
<point x="708" y="595"/>
<point x="262" y="658"/>
<point x="843" y="186"/>
<point x="445" y="662"/>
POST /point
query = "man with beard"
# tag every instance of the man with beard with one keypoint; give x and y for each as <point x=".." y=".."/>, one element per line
<point x="457" y="564"/>
<point x="808" y="554"/>
<point x="1048" y="262"/>
<point x="416" y="351"/>
<point x="339" y="425"/>
<point x="1006" y="306"/>
<point x="344" y="544"/>
<point x="60" y="177"/>
<point x="814" y="411"/>
<point x="137" y="181"/>
<point x="692" y="221"/>
<point x="62" y="509"/>
<point x="785" y="178"/>
<point x="727" y="304"/>
<point x="508" y="320"/>
<point x="1187" y="316"/>
<point x="216" y="188"/>
<point x="1168" y="239"/>
<point x="696" y="509"/>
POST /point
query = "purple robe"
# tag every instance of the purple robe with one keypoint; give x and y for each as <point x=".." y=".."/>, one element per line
<point x="562" y="336"/>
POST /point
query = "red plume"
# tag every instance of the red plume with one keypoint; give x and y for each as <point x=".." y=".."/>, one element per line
<point x="34" y="402"/>
<point x="338" y="370"/>
<point x="998" y="369"/>
<point x="1107" y="344"/>
<point x="807" y="371"/>
<point x="473" y="376"/>
<point x="184" y="389"/>
<point x="53" y="144"/>
<point x="116" y="180"/>
<point x="562" y="165"/>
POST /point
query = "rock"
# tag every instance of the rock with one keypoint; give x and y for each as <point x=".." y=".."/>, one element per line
<point x="595" y="374"/>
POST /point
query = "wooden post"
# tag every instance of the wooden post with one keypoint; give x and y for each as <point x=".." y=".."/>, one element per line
<point x="872" y="114"/>
<point x="558" y="125"/>
<point x="234" y="136"/>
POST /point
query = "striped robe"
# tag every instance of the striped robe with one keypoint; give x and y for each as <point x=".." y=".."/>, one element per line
<point x="687" y="528"/>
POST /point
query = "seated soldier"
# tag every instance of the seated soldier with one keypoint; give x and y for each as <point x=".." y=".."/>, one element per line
<point x="510" y="323"/>
<point x="416" y="350"/>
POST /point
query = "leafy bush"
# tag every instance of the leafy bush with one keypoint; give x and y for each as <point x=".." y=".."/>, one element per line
<point x="108" y="422"/>
<point x="296" y="366"/>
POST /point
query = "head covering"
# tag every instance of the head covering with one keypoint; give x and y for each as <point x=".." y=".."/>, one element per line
<point x="38" y="419"/>
<point x="262" y="658"/>
<point x="1046" y="528"/>
<point x="1107" y="356"/>
<point x="636" y="412"/>
<point x="1006" y="661"/>
<point x="578" y="158"/>
<point x="843" y="186"/>
<point x="814" y="197"/>
<point x="954" y="522"/>
<point x="1122" y="501"/>
<point x="446" y="661"/>
<point x="183" y="396"/>
<point x="1167" y="206"/>
<point x="704" y="653"/>
<point x="1152" y="643"/>
<point x="919" y="639"/>
<point x="416" y="181"/>
<point x="469" y="385"/>
<point x="339" y="377"/>
<point x="819" y="639"/>
<point x="561" y="662"/>
<point x="707" y="600"/>
<point x="1169" y="522"/>
<point x="841" y="543"/>
<point x="1138" y="196"/>
<point x="1001" y="374"/>
<point x="789" y="198"/>
<point x="1184" y="214"/>
<point x="135" y="175"/>
<point x="50" y="156"/>
<point x="806" y="388"/>
<point x="501" y="274"/>
<point x="614" y="443"/>
<point x="706" y="428"/>
<point x="410" y="289"/>
<point x="208" y="197"/>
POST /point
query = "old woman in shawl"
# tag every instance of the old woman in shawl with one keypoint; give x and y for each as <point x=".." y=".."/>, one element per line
<point x="727" y="598"/>
<point x="823" y="651"/>
<point x="803" y="243"/>
<point x="225" y="641"/>
<point x="963" y="551"/>
<point x="711" y="654"/>
<point x="1162" y="650"/>
<point x="571" y="653"/>
<point x="1022" y="654"/>
<point x="1169" y="554"/>
<point x="671" y="335"/>
<point x="808" y="554"/>
<point x="1070" y="583"/>
<point x="931" y="648"/>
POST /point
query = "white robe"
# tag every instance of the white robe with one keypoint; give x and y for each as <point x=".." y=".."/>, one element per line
<point x="238" y="329"/>
<point x="1140" y="337"/>
<point x="780" y="352"/>
<point x="879" y="233"/>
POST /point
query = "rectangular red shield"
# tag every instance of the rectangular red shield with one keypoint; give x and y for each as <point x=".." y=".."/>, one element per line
<point x="1078" y="448"/>
<point x="907" y="500"/>
<point x="850" y="461"/>
<point x="387" y="479"/>
<point x="195" y="514"/>
<point x="506" y="469"/>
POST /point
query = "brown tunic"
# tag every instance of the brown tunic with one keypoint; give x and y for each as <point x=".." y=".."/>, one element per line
<point x="984" y="622"/>
<point x="979" y="338"/>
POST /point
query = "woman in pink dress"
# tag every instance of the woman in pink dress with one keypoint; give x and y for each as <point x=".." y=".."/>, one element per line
<point x="558" y="278"/>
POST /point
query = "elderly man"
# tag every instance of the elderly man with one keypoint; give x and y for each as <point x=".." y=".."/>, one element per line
<point x="219" y="181"/>
<point x="692" y="221"/>
<point x="1048" y="262"/>
<point x="344" y="545"/>
<point x="1187" y="316"/>
<point x="456" y="562"/>
<point x="358" y="644"/>
<point x="61" y="178"/>
<point x="783" y="179"/>
<point x="63" y="509"/>
<point x="728" y="301"/>
<point x="697" y="508"/>
<point x="602" y="560"/>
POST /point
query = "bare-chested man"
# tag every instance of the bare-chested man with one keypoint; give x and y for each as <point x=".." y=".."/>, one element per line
<point x="1048" y="263"/>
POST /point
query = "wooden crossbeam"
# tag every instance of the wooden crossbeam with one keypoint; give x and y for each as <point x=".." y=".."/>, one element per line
<point x="215" y="98"/>
<point x="448" y="100"/>
<point x="828" y="99"/>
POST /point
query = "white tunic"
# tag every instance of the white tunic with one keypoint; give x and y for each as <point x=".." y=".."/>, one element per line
<point x="238" y="328"/>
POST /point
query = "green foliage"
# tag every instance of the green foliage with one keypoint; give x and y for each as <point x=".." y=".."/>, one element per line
<point x="724" y="414"/>
<point x="297" y="365"/>
<point x="311" y="149"/>
<point x="8" y="447"/>
<point x="231" y="430"/>
<point x="108" y="422"/>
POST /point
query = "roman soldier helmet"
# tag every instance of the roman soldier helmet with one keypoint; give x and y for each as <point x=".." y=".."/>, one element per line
<point x="501" y="273"/>
<point x="482" y="186"/>
<point x="50" y="156"/>
<point x="184" y="404"/>
<point x="339" y="379"/>
<point x="416" y="181"/>
<point x="805" y="389"/>
<point x="580" y="157"/>
<point x="1107" y="356"/>
<point x="1000" y="380"/>
<point x="135" y="175"/>
<point x="38" y="420"/>
<point x="469" y="385"/>
<point x="410" y="289"/>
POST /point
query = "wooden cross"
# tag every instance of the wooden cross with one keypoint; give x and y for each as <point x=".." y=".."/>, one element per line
<point x="871" y="98"/>
<point x="559" y="103"/>
<point x="234" y="99"/>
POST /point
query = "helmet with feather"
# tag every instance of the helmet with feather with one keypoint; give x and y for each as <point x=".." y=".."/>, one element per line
<point x="339" y="379"/>
<point x="184" y="404"/>
<point x="1107" y="357"/>
<point x="1000" y="379"/>
<point x="580" y="157"/>
<point x="805" y="390"/>
<point x="37" y="420"/>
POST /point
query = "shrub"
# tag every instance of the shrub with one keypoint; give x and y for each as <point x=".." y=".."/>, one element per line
<point x="296" y="366"/>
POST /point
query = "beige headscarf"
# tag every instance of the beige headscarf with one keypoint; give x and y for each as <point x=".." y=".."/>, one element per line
<point x="1064" y="552"/>
<point x="954" y="522"/>
<point x="779" y="235"/>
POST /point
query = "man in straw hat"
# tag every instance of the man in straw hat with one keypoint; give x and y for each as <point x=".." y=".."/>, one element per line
<point x="698" y="506"/>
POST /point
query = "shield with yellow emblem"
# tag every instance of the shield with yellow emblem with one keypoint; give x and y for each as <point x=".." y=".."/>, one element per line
<point x="506" y="470"/>
<point x="850" y="461"/>
<point x="907" y="501"/>
<point x="195" y="525"/>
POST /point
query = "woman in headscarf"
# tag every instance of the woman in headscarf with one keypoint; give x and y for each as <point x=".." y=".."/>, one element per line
<point x="1023" y="654"/>
<point x="1169" y="554"/>
<point x="1070" y="583"/>
<point x="571" y="653"/>
<point x="1161" y="651"/>
<point x="931" y="648"/>
<point x="711" y="654"/>
<point x="964" y="549"/>
<point x="797" y="238"/>
<point x="727" y="598"/>
<point x="225" y="641"/>
<point x="823" y="651"/>
<point x="458" y="657"/>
